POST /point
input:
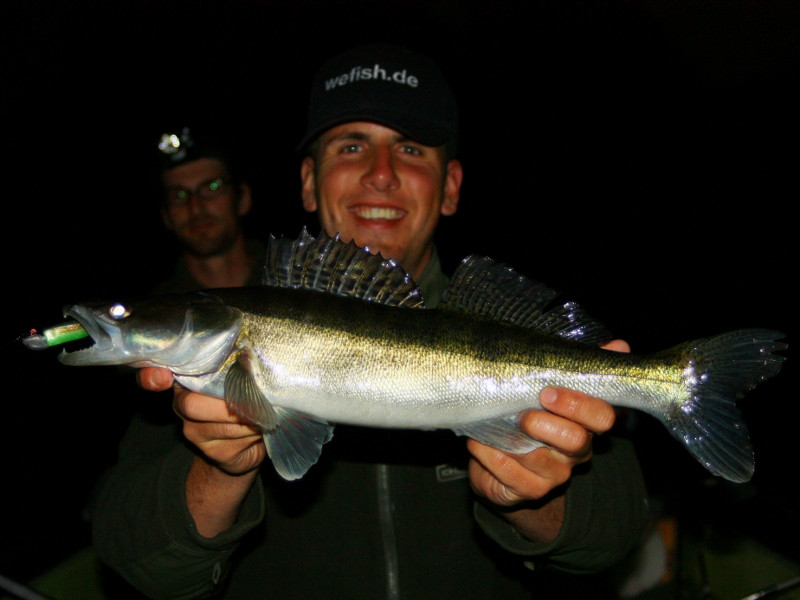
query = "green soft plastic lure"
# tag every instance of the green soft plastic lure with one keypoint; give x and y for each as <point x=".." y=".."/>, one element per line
<point x="55" y="336"/>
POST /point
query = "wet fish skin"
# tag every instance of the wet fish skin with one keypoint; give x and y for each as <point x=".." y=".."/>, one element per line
<point x="295" y="361"/>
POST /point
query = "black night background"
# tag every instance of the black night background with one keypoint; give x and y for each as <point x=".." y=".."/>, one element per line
<point x="639" y="155"/>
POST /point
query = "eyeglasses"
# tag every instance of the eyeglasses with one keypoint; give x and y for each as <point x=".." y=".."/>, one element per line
<point x="208" y="190"/>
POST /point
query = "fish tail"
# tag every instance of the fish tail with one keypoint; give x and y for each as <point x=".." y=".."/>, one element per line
<point x="716" y="372"/>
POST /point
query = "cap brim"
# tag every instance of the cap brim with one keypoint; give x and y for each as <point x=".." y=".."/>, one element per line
<point x="426" y="133"/>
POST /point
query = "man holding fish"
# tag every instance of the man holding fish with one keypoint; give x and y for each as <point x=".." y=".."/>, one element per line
<point x="385" y="513"/>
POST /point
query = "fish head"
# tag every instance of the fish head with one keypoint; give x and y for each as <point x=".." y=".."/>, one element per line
<point x="186" y="333"/>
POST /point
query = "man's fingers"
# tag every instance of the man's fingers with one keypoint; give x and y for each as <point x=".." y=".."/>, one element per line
<point x="197" y="407"/>
<point x="154" y="379"/>
<point x="591" y="413"/>
<point x="566" y="436"/>
<point x="617" y="346"/>
<point x="506" y="479"/>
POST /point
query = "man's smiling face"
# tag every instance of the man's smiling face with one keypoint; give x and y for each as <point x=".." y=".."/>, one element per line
<point x="373" y="185"/>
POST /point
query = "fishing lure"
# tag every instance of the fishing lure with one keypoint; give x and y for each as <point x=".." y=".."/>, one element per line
<point x="55" y="336"/>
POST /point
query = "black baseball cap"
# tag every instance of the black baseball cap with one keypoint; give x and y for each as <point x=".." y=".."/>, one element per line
<point x="385" y="84"/>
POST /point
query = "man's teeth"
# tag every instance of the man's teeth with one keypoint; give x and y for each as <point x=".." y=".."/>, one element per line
<point x="379" y="212"/>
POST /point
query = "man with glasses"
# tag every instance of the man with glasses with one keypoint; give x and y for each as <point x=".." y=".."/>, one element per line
<point x="205" y="200"/>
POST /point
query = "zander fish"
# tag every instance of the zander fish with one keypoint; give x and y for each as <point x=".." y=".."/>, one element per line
<point x="339" y="335"/>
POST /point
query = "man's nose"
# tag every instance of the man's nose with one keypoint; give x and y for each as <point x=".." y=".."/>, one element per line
<point x="381" y="174"/>
<point x="194" y="202"/>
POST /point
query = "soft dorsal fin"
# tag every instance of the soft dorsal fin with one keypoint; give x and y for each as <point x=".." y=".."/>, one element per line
<point x="327" y="264"/>
<point x="483" y="287"/>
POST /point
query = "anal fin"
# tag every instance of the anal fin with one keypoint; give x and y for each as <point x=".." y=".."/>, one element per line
<point x="503" y="434"/>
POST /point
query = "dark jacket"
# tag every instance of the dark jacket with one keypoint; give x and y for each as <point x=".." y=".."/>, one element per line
<point x="384" y="514"/>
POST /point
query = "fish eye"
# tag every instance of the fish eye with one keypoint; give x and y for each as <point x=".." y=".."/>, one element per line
<point x="118" y="311"/>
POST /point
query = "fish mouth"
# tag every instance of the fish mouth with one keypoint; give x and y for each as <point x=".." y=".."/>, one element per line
<point x="97" y="347"/>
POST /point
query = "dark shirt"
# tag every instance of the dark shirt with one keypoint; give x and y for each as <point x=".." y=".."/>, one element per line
<point x="181" y="279"/>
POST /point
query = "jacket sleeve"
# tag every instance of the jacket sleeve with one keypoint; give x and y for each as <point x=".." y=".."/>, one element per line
<point x="142" y="528"/>
<point x="606" y="515"/>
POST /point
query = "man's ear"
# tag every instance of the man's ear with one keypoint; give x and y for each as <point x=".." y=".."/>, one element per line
<point x="309" y="184"/>
<point x="452" y="187"/>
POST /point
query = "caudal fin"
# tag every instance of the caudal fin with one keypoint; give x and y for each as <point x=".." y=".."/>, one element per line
<point x="718" y="370"/>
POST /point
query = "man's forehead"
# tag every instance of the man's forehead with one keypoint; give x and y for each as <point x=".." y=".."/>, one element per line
<point x="362" y="130"/>
<point x="202" y="168"/>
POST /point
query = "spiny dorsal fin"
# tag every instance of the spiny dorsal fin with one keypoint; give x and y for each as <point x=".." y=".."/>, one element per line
<point x="327" y="264"/>
<point x="483" y="287"/>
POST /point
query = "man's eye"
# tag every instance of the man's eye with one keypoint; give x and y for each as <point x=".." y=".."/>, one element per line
<point x="214" y="186"/>
<point x="411" y="150"/>
<point x="350" y="148"/>
<point x="181" y="194"/>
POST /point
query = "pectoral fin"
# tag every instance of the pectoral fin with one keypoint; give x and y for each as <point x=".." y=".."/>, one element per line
<point x="503" y="434"/>
<point x="244" y="396"/>
<point x="294" y="440"/>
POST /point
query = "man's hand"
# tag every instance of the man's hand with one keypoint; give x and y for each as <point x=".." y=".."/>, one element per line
<point x="227" y="441"/>
<point x="233" y="449"/>
<point x="566" y="423"/>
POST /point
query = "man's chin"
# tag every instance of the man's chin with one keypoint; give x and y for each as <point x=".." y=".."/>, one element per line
<point x="386" y="248"/>
<point x="204" y="248"/>
<point x="374" y="232"/>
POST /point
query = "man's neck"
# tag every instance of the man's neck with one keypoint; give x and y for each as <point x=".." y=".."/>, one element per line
<point x="231" y="268"/>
